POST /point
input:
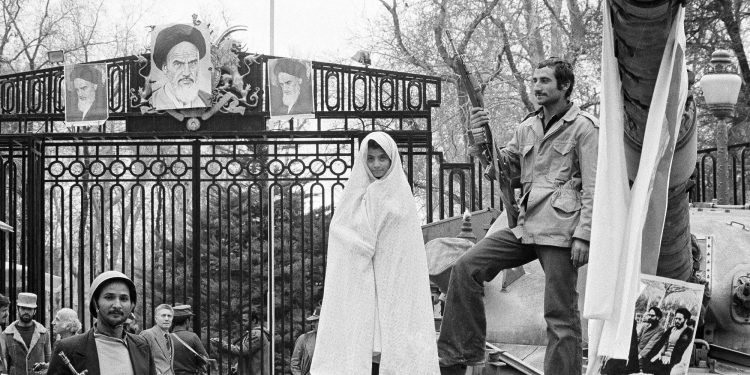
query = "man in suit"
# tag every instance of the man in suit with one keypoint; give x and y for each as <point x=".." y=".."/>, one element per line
<point x="178" y="50"/>
<point x="162" y="345"/>
<point x="87" y="100"/>
<point x="291" y="93"/>
<point x="106" y="348"/>
<point x="671" y="346"/>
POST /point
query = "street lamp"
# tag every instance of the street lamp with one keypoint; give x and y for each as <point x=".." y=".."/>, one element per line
<point x="721" y="86"/>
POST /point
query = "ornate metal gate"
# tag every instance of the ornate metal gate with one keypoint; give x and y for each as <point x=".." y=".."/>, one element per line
<point x="228" y="217"/>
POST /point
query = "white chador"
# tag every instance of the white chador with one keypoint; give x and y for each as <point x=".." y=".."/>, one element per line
<point x="377" y="295"/>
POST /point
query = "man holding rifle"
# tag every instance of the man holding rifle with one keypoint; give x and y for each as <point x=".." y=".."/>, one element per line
<point x="555" y="149"/>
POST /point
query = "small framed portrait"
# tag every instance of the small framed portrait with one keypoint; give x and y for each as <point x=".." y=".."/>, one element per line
<point x="86" y="94"/>
<point x="666" y="317"/>
<point x="180" y="67"/>
<point x="291" y="88"/>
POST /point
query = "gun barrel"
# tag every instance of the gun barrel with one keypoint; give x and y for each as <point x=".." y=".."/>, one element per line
<point x="66" y="361"/>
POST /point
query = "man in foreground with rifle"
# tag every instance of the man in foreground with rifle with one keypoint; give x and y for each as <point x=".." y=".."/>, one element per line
<point x="555" y="149"/>
<point x="106" y="349"/>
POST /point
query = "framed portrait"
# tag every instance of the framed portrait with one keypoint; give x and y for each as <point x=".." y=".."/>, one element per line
<point x="86" y="94"/>
<point x="291" y="88"/>
<point x="667" y="313"/>
<point x="180" y="67"/>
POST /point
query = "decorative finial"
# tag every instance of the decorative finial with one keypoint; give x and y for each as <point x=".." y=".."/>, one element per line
<point x="467" y="231"/>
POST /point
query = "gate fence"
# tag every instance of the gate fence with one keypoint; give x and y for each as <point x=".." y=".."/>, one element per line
<point x="229" y="217"/>
<point x="705" y="176"/>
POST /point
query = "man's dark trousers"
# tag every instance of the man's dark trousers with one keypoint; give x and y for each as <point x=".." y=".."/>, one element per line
<point x="463" y="331"/>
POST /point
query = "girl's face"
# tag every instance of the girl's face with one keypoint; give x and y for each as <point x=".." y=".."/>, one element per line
<point x="378" y="162"/>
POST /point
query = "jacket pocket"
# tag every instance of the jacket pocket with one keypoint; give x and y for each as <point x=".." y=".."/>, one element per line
<point x="527" y="163"/>
<point x="561" y="163"/>
<point x="566" y="201"/>
<point x="566" y="211"/>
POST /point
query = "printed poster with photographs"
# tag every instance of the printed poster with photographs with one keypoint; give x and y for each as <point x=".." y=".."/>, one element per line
<point x="665" y="321"/>
<point x="86" y="94"/>
<point x="291" y="88"/>
<point x="180" y="67"/>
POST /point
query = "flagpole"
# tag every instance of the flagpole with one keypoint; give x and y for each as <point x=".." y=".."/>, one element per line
<point x="272" y="26"/>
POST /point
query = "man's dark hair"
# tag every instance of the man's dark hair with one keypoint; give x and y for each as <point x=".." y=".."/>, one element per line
<point x="290" y="66"/>
<point x="685" y="313"/>
<point x="657" y="311"/>
<point x="4" y="301"/>
<point x="563" y="73"/>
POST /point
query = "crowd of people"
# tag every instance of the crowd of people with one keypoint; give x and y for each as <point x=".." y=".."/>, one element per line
<point x="115" y="344"/>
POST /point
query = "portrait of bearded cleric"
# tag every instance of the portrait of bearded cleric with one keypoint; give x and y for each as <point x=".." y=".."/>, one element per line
<point x="86" y="94"/>
<point x="291" y="87"/>
<point x="180" y="67"/>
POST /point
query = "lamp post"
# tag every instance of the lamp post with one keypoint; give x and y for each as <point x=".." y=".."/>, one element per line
<point x="721" y="86"/>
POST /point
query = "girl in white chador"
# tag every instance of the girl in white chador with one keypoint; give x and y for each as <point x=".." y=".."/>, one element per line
<point x="376" y="305"/>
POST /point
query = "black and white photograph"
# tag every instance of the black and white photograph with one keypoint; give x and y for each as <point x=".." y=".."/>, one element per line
<point x="667" y="313"/>
<point x="180" y="67"/>
<point x="291" y="87"/>
<point x="364" y="187"/>
<point x="86" y="96"/>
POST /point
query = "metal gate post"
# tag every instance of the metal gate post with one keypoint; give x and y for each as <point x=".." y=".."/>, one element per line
<point x="196" y="218"/>
<point x="271" y="277"/>
<point x="34" y="202"/>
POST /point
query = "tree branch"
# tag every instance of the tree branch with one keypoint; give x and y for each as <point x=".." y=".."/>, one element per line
<point x="520" y="80"/>
<point x="399" y="37"/>
<point x="733" y="31"/>
<point x="557" y="18"/>
<point x="474" y="23"/>
<point x="438" y="31"/>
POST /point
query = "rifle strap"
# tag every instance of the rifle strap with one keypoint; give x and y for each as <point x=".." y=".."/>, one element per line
<point x="189" y="347"/>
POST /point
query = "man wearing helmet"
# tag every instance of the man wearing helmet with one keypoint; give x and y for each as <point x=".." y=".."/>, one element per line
<point x="106" y="348"/>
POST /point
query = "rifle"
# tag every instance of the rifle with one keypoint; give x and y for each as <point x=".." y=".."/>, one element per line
<point x="481" y="138"/>
<point x="66" y="361"/>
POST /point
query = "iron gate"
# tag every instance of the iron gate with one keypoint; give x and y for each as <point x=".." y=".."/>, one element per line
<point x="191" y="222"/>
<point x="229" y="217"/>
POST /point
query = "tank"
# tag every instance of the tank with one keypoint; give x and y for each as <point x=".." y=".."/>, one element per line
<point x="514" y="299"/>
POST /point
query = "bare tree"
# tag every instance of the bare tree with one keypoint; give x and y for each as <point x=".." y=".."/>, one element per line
<point x="31" y="28"/>
<point x="502" y="41"/>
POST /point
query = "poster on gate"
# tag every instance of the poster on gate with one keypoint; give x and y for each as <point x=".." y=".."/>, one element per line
<point x="86" y="94"/>
<point x="291" y="88"/>
<point x="667" y="312"/>
<point x="180" y="67"/>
